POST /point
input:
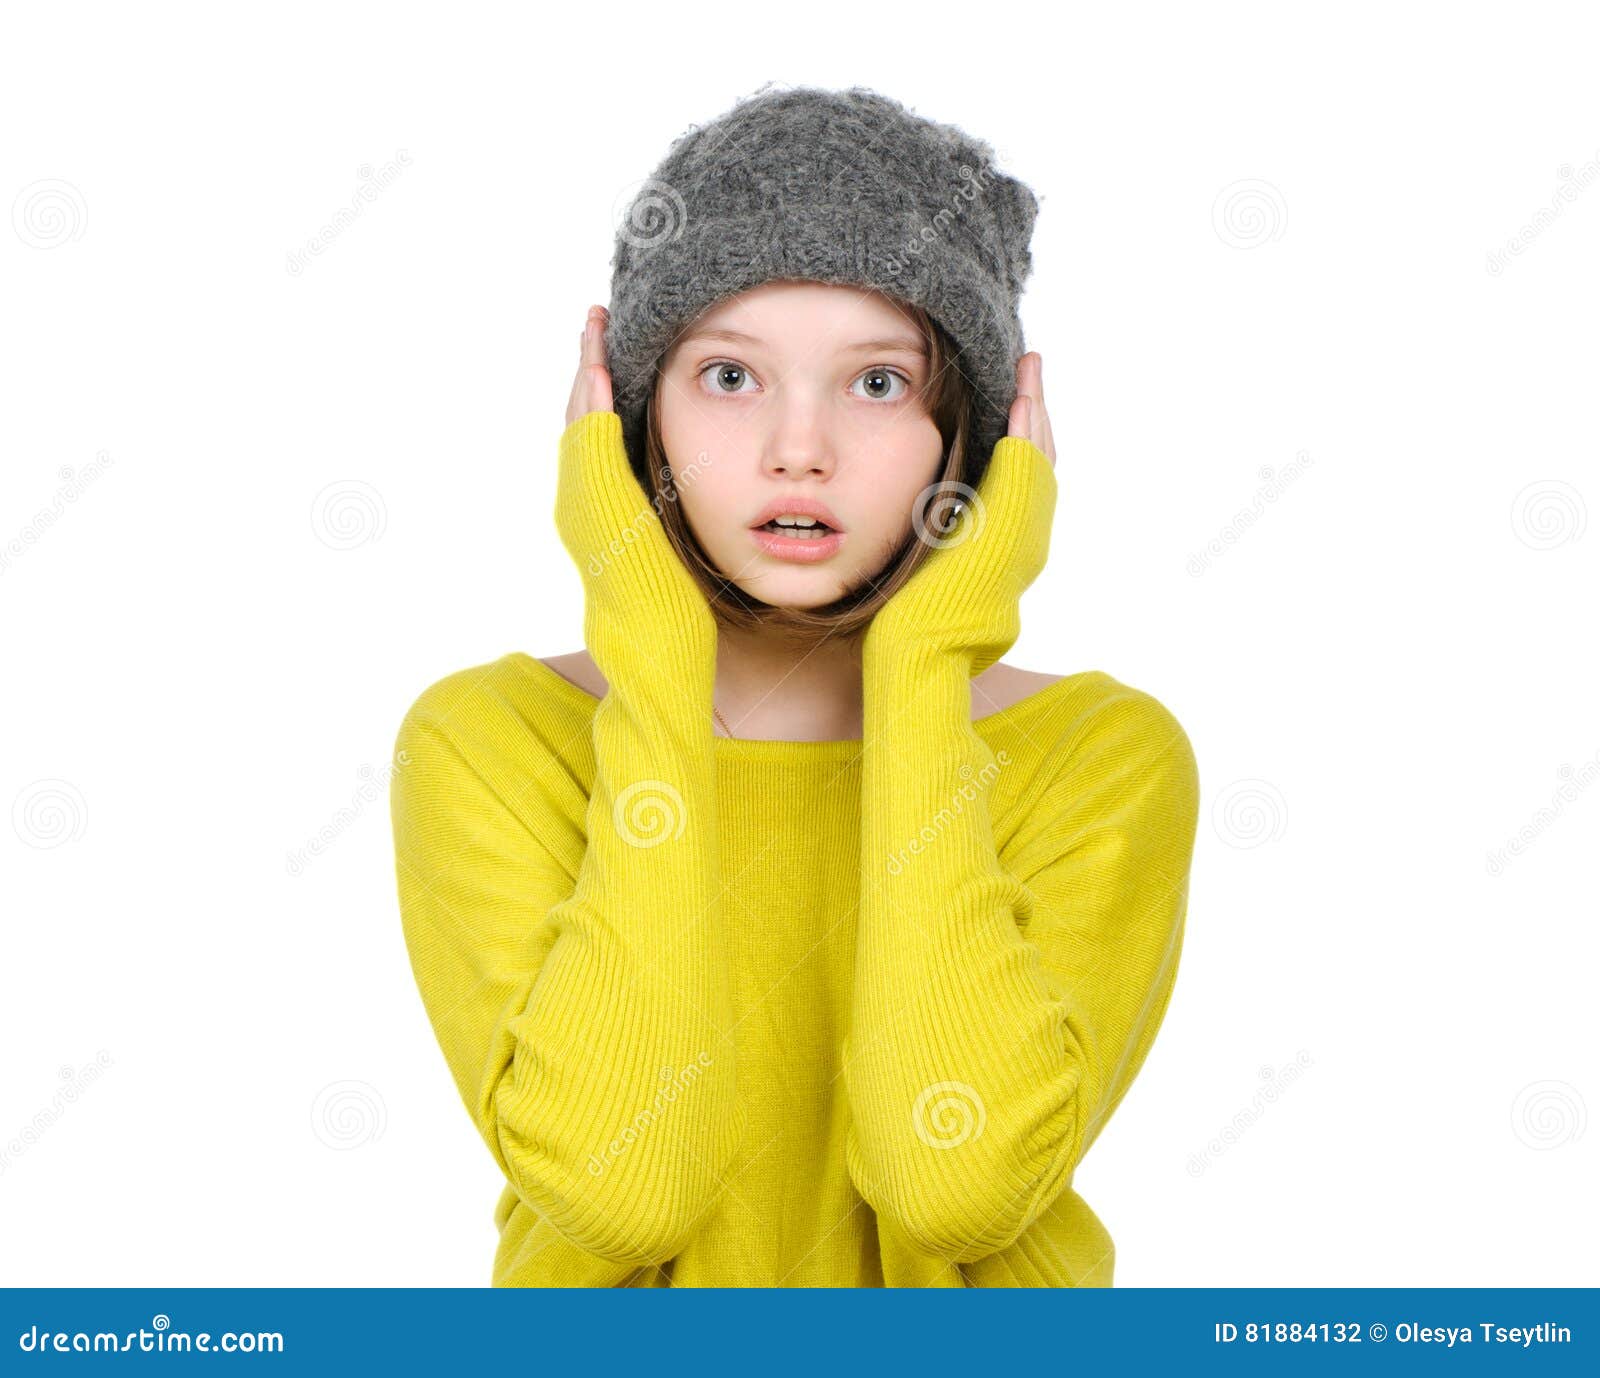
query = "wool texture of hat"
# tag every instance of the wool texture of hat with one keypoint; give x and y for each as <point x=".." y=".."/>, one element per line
<point x="846" y="187"/>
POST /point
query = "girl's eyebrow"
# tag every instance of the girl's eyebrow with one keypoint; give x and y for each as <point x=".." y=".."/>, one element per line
<point x="899" y="343"/>
<point x="905" y="344"/>
<point x="714" y="333"/>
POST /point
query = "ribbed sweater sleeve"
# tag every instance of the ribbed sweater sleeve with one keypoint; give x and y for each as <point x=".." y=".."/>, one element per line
<point x="997" y="1019"/>
<point x="588" y="1022"/>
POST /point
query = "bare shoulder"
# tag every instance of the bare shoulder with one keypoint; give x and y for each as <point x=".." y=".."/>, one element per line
<point x="1002" y="685"/>
<point x="578" y="667"/>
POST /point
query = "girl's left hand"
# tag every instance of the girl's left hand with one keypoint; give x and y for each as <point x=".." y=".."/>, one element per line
<point x="1028" y="418"/>
<point x="964" y="593"/>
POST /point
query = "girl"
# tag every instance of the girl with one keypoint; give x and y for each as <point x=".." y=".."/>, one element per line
<point x="785" y="936"/>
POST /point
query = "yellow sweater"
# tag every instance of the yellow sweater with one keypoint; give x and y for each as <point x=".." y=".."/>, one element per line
<point x="734" y="1012"/>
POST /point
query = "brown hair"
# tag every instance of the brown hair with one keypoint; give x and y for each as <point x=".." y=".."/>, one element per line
<point x="947" y="398"/>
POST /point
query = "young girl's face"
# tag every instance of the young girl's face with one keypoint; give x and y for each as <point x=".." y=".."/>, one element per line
<point x="794" y="391"/>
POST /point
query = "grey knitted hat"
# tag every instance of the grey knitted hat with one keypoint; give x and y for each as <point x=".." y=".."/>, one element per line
<point x="829" y="186"/>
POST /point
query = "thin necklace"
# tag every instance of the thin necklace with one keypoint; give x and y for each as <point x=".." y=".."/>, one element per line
<point x="718" y="716"/>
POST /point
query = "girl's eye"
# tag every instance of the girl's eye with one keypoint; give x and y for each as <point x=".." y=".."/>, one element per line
<point x="727" y="378"/>
<point x="880" y="384"/>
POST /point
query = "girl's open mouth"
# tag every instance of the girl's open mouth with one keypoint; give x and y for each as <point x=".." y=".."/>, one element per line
<point x="804" y="545"/>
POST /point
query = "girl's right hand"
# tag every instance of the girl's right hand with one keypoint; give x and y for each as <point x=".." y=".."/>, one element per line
<point x="637" y="589"/>
<point x="591" y="389"/>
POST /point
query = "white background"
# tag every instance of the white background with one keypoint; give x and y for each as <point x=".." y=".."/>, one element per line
<point x="1385" y="670"/>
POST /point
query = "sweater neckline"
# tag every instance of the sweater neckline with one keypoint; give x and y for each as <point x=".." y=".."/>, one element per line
<point x="788" y="748"/>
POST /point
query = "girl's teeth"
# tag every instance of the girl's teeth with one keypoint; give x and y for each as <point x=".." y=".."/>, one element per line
<point x="803" y="533"/>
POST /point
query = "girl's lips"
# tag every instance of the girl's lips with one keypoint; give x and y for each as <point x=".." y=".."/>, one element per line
<point x="803" y="550"/>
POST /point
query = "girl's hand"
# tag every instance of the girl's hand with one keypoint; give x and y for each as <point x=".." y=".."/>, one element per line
<point x="1028" y="418"/>
<point x="963" y="597"/>
<point x="637" y="589"/>
<point x="591" y="389"/>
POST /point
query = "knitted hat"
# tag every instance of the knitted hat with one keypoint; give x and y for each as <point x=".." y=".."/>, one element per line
<point x="829" y="186"/>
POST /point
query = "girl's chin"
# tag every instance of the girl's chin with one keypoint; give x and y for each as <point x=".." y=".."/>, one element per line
<point x="799" y="589"/>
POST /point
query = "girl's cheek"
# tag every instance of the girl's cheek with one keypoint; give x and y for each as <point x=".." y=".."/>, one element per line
<point x="719" y="521"/>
